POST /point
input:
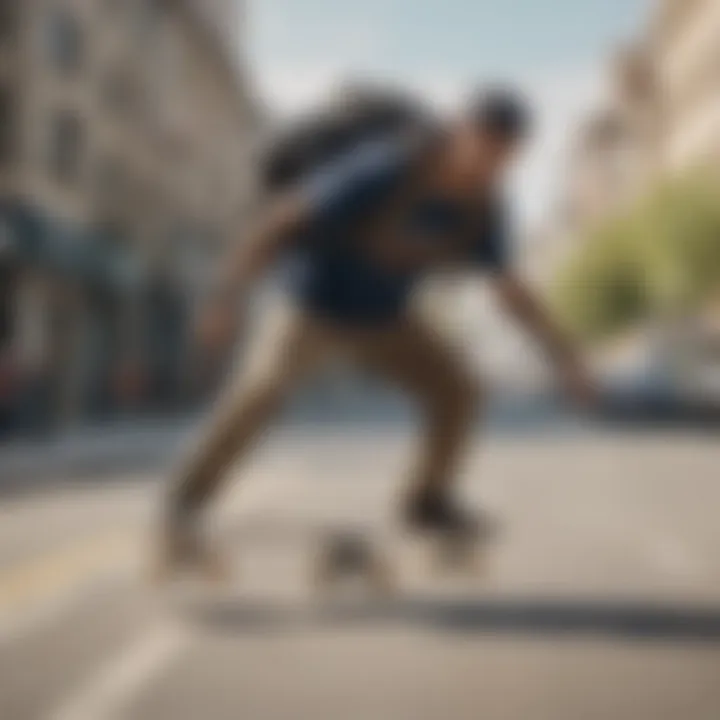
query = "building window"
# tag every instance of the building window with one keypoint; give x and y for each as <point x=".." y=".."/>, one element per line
<point x="8" y="277"/>
<point x="119" y="90"/>
<point x="8" y="115"/>
<point x="67" y="139"/>
<point x="64" y="41"/>
<point x="8" y="18"/>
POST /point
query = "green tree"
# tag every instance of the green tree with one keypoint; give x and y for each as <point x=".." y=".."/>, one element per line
<point x="659" y="258"/>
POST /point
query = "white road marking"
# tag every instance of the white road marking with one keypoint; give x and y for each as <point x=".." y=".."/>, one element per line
<point x="108" y="691"/>
<point x="51" y="594"/>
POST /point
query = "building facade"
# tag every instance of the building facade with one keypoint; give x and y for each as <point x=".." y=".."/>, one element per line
<point x="685" y="35"/>
<point x="126" y="135"/>
<point x="660" y="117"/>
<point x="615" y="154"/>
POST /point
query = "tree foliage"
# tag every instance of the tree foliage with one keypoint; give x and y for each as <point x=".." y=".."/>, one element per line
<point x="660" y="257"/>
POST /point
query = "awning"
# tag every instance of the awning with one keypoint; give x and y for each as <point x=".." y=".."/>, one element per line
<point x="30" y="237"/>
<point x="19" y="233"/>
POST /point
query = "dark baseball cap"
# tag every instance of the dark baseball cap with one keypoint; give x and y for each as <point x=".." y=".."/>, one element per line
<point x="502" y="111"/>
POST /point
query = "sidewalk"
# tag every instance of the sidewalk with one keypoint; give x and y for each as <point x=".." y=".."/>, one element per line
<point x="86" y="453"/>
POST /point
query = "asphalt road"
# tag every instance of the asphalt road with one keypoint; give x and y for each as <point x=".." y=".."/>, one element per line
<point x="601" y="600"/>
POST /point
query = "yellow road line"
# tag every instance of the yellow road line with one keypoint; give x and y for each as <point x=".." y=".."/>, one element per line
<point x="45" y="578"/>
<point x="51" y="574"/>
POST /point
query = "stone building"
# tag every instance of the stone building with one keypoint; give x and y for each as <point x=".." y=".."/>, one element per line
<point x="662" y="115"/>
<point x="686" y="44"/>
<point x="661" y="118"/>
<point x="126" y="129"/>
<point x="615" y="154"/>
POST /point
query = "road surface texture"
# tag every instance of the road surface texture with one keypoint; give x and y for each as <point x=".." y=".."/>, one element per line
<point x="601" y="600"/>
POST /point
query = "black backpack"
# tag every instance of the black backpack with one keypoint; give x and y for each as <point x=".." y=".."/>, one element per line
<point x="355" y="116"/>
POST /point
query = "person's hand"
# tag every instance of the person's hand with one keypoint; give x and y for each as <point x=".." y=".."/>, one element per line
<point x="580" y="386"/>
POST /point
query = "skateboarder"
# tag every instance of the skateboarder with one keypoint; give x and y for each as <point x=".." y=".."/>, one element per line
<point x="351" y="239"/>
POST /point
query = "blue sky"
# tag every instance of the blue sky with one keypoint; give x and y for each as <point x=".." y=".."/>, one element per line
<point x="555" y="49"/>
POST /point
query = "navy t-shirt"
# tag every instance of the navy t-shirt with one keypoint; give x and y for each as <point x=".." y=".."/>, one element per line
<point x="334" y="277"/>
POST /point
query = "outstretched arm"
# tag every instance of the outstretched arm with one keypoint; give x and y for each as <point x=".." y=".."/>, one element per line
<point x="248" y="261"/>
<point x="522" y="304"/>
<point x="270" y="235"/>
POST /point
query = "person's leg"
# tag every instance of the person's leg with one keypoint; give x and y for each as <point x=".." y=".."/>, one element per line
<point x="286" y="349"/>
<point x="415" y="357"/>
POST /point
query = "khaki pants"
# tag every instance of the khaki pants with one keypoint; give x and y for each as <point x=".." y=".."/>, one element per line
<point x="293" y="345"/>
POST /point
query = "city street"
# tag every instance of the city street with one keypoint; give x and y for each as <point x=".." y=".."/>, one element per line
<point x="602" y="599"/>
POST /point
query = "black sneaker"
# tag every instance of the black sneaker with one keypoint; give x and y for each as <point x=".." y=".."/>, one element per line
<point x="438" y="514"/>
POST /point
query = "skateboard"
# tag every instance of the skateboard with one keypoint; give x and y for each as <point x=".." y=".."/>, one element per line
<point x="378" y="558"/>
<point x="381" y="558"/>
